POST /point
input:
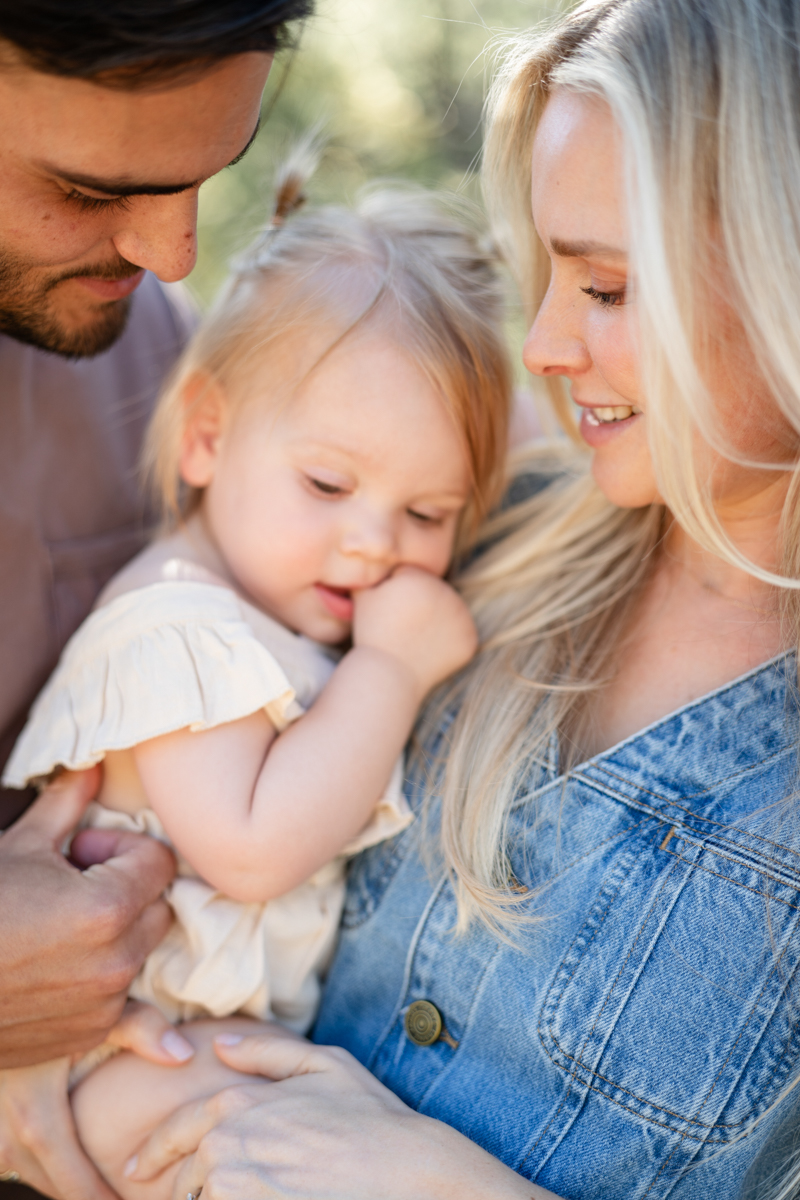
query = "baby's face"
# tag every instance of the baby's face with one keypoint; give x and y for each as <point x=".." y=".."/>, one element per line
<point x="363" y="470"/>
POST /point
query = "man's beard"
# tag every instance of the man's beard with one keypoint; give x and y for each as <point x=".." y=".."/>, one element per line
<point x="28" y="315"/>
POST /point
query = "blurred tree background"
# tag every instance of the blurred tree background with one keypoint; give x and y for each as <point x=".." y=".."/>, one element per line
<point x="398" y="85"/>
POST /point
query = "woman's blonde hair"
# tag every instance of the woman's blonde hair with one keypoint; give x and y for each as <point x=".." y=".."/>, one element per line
<point x="707" y="100"/>
<point x="408" y="262"/>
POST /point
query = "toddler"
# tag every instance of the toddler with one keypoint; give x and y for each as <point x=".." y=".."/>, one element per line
<point x="329" y="440"/>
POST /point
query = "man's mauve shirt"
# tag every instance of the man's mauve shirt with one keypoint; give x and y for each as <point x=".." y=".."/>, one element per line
<point x="71" y="508"/>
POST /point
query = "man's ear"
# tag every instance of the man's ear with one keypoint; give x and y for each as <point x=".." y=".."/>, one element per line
<point x="206" y="411"/>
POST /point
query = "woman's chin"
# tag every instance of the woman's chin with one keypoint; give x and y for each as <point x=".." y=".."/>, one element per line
<point x="627" y="479"/>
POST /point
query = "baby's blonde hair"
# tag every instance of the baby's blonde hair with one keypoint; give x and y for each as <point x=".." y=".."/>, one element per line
<point x="406" y="261"/>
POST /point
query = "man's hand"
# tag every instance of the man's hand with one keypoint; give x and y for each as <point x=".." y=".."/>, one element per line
<point x="72" y="937"/>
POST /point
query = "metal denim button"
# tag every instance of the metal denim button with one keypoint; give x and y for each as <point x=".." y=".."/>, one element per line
<point x="423" y="1023"/>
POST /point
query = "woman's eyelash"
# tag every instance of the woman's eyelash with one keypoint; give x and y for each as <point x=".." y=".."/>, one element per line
<point x="97" y="203"/>
<point x="604" y="299"/>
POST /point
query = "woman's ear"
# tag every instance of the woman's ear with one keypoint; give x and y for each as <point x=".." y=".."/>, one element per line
<point x="206" y="411"/>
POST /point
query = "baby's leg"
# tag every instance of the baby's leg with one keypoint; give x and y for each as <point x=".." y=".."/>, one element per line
<point x="120" y="1103"/>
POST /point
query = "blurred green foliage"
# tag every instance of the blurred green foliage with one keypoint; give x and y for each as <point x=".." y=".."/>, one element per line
<point x="399" y="86"/>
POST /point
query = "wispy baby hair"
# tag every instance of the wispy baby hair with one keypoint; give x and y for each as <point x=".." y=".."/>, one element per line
<point x="404" y="261"/>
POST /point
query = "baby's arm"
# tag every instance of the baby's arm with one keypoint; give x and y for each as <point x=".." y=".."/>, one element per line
<point x="255" y="815"/>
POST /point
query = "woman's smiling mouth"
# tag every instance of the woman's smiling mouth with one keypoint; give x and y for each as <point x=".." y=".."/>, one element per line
<point x="600" y="425"/>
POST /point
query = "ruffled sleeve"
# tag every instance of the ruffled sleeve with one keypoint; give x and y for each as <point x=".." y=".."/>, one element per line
<point x="164" y="657"/>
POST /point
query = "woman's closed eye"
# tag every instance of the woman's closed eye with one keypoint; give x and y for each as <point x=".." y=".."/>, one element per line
<point x="605" y="299"/>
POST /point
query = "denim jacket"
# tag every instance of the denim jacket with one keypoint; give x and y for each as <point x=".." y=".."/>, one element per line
<point x="625" y="1044"/>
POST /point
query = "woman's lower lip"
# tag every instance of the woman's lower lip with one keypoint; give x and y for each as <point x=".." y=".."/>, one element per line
<point x="110" y="289"/>
<point x="600" y="435"/>
<point x="337" y="604"/>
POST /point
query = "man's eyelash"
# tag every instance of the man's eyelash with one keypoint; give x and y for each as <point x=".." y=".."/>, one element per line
<point x="94" y="204"/>
<point x="604" y="299"/>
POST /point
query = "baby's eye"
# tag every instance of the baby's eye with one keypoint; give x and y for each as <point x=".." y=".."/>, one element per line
<point x="425" y="518"/>
<point x="327" y="489"/>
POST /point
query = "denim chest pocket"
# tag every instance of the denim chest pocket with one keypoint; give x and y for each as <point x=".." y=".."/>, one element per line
<point x="676" y="1000"/>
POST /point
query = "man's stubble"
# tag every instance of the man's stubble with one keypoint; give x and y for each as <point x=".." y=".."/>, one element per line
<point x="29" y="312"/>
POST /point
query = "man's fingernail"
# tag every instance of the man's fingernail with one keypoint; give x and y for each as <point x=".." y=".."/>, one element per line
<point x="177" y="1047"/>
<point x="130" y="1166"/>
<point x="229" y="1039"/>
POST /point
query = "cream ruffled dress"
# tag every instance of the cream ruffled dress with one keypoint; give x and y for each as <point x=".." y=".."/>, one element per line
<point x="171" y="645"/>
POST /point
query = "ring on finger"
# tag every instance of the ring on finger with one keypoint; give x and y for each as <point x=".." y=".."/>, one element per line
<point x="194" y="1195"/>
<point x="9" y="1176"/>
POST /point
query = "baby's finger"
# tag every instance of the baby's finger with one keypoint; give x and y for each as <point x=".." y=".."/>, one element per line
<point x="183" y="1130"/>
<point x="147" y="1032"/>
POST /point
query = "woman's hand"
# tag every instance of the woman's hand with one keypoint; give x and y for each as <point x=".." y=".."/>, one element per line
<point x="325" y="1129"/>
<point x="37" y="1132"/>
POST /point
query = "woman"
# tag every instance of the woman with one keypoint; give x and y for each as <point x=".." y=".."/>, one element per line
<point x="578" y="968"/>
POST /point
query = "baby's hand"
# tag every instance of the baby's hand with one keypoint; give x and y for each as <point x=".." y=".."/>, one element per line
<point x="419" y="619"/>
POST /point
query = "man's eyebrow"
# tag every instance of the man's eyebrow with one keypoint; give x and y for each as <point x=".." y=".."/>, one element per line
<point x="115" y="187"/>
<point x="584" y="249"/>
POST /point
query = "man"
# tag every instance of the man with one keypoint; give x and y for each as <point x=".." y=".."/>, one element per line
<point x="113" y="115"/>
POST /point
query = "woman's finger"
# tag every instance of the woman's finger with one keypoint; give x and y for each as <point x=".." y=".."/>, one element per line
<point x="183" y="1130"/>
<point x="277" y="1054"/>
<point x="145" y="1031"/>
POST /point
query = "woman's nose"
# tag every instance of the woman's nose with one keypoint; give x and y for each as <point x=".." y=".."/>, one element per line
<point x="160" y="234"/>
<point x="555" y="343"/>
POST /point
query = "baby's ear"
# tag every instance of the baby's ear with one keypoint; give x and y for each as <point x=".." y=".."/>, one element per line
<point x="205" y="416"/>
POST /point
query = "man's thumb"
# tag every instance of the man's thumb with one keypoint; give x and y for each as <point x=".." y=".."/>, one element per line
<point x="53" y="817"/>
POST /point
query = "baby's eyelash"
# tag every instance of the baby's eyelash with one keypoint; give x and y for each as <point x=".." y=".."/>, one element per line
<point x="327" y="489"/>
<point x="424" y="518"/>
<point x="604" y="299"/>
<point x="94" y="204"/>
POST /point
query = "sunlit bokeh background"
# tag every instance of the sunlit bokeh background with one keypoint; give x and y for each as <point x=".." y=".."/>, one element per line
<point x="398" y="86"/>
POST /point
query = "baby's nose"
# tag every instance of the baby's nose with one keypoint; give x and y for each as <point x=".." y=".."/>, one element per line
<point x="372" y="538"/>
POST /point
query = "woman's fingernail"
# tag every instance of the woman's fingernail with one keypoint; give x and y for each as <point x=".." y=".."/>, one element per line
<point x="177" y="1047"/>
<point x="229" y="1039"/>
<point x="130" y="1166"/>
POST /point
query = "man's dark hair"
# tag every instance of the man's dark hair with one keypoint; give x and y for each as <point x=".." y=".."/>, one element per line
<point x="135" y="42"/>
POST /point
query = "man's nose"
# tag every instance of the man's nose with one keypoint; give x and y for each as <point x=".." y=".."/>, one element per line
<point x="555" y="344"/>
<point x="160" y="234"/>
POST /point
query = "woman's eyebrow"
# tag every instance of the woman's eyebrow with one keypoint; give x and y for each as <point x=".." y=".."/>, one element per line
<point x="565" y="249"/>
<point x="113" y="187"/>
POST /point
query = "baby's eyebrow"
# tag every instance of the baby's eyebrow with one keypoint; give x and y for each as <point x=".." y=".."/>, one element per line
<point x="567" y="249"/>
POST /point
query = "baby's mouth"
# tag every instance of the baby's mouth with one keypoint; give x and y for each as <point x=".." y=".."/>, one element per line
<point x="607" y="416"/>
<point x="337" y="600"/>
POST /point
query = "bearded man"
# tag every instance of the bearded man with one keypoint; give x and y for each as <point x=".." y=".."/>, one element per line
<point x="114" y="113"/>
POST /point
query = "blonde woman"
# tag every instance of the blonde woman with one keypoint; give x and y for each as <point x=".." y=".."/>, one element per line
<point x="577" y="975"/>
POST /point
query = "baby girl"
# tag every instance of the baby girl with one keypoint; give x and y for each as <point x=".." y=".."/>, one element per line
<point x="329" y="441"/>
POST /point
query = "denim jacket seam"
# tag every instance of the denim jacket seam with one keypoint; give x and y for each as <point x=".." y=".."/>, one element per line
<point x="578" y="1059"/>
<point x="580" y="1065"/>
<point x="608" y="790"/>
<point x="728" y="879"/>
<point x="663" y="1166"/>
<point x="407" y="969"/>
<point x="706" y="791"/>
<point x="744" y="1026"/>
<point x="573" y="862"/>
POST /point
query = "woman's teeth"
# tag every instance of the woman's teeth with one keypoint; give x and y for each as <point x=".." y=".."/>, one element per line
<point x="604" y="416"/>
